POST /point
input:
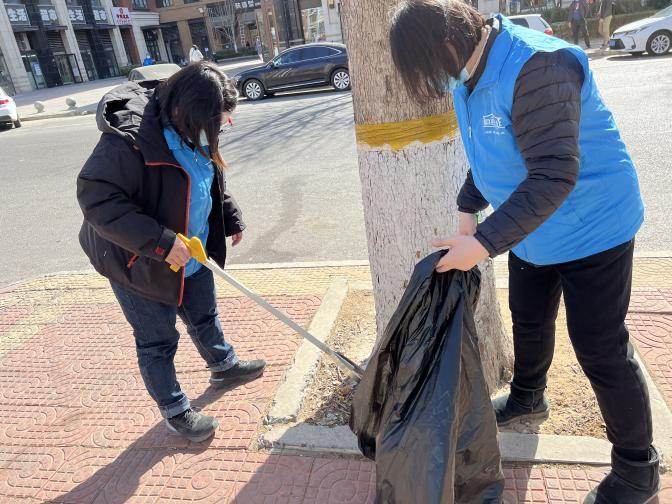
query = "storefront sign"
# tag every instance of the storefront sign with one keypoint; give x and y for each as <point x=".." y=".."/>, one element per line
<point x="18" y="15"/>
<point x="242" y="5"/>
<point x="100" y="16"/>
<point x="121" y="16"/>
<point x="76" y="14"/>
<point x="48" y="14"/>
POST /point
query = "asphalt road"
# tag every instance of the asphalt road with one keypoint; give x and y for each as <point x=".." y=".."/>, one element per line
<point x="293" y="168"/>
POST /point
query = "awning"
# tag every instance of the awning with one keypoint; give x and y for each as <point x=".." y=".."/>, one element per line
<point x="21" y="29"/>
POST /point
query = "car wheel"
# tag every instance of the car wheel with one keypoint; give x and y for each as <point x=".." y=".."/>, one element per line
<point x="17" y="123"/>
<point x="659" y="43"/>
<point x="341" y="79"/>
<point x="254" y="90"/>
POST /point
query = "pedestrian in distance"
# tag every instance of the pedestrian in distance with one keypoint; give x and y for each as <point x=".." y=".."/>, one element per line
<point x="155" y="172"/>
<point x="545" y="152"/>
<point x="606" y="15"/>
<point x="195" y="54"/>
<point x="578" y="14"/>
<point x="260" y="48"/>
<point x="148" y="60"/>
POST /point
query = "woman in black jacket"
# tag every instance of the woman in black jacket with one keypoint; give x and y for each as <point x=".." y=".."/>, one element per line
<point x="156" y="172"/>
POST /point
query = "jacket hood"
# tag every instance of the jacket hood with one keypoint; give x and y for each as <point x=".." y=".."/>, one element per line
<point x="132" y="112"/>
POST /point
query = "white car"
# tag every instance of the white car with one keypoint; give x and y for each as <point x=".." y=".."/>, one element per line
<point x="8" y="113"/>
<point x="653" y="35"/>
<point x="533" y="21"/>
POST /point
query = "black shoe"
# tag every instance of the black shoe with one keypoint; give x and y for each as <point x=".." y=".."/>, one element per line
<point x="192" y="425"/>
<point x="242" y="372"/>
<point x="629" y="482"/>
<point x="520" y="405"/>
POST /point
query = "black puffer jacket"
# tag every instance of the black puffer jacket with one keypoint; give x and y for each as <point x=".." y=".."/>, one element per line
<point x="135" y="198"/>
<point x="545" y="118"/>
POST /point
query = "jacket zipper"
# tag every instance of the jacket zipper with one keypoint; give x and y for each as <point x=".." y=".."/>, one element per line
<point x="186" y="218"/>
<point x="132" y="261"/>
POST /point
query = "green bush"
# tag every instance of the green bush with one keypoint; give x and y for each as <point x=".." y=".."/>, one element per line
<point x="125" y="70"/>
<point x="658" y="4"/>
<point x="229" y="53"/>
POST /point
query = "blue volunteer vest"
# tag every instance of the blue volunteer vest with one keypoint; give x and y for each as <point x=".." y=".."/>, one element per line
<point x="604" y="209"/>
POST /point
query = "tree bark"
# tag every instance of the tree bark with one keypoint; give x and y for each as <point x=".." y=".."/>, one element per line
<point x="412" y="165"/>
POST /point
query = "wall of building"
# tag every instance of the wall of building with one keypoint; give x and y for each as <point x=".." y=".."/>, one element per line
<point x="332" y="20"/>
<point x="12" y="55"/>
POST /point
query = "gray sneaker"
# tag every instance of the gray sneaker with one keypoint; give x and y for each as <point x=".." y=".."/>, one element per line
<point x="192" y="425"/>
<point x="242" y="372"/>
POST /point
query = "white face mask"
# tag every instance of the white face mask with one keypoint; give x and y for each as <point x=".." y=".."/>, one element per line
<point x="452" y="83"/>
<point x="203" y="139"/>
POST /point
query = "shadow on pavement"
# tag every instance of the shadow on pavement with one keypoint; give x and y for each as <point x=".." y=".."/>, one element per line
<point x="140" y="457"/>
<point x="636" y="57"/>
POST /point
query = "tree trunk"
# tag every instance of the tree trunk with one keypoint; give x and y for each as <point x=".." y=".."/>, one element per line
<point x="412" y="165"/>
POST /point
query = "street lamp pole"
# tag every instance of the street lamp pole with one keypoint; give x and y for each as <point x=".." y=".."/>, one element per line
<point x="288" y="26"/>
<point x="204" y="10"/>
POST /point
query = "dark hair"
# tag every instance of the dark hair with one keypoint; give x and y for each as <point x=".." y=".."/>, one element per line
<point x="431" y="40"/>
<point x="194" y="99"/>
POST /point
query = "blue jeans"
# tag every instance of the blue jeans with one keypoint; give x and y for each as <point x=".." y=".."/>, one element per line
<point x="156" y="337"/>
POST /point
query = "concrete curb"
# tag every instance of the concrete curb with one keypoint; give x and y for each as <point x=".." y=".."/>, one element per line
<point x="542" y="449"/>
<point x="57" y="115"/>
<point x="289" y="397"/>
<point x="251" y="59"/>
<point x="599" y="54"/>
<point x="229" y="267"/>
<point x="655" y="254"/>
<point x="661" y="414"/>
<point x="308" y="264"/>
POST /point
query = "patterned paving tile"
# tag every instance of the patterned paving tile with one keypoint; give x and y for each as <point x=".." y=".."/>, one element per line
<point x="653" y="337"/>
<point x="650" y="300"/>
<point x="341" y="481"/>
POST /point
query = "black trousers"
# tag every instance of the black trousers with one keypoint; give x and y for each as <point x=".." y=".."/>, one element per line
<point x="580" y="28"/>
<point x="597" y="295"/>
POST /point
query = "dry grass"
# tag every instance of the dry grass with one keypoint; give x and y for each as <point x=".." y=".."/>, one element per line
<point x="574" y="410"/>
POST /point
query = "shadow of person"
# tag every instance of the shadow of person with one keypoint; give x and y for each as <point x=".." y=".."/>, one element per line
<point x="119" y="480"/>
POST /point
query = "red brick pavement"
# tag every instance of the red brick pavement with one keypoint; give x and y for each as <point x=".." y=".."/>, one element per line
<point x="78" y="426"/>
<point x="650" y="324"/>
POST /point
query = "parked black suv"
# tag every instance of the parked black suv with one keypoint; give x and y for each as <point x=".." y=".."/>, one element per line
<point x="310" y="65"/>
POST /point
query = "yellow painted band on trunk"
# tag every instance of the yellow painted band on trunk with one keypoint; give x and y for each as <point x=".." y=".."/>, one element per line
<point x="400" y="134"/>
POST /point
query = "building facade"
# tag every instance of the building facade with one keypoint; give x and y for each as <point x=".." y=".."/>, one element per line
<point x="48" y="43"/>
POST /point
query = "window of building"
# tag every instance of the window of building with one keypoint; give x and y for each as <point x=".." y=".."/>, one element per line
<point x="161" y="4"/>
<point x="199" y="35"/>
<point x="141" y="4"/>
<point x="191" y="1"/>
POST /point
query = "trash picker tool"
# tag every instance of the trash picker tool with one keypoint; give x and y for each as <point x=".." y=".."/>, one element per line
<point x="198" y="252"/>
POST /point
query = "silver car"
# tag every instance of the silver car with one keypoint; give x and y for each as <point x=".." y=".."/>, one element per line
<point x="8" y="113"/>
<point x="160" y="72"/>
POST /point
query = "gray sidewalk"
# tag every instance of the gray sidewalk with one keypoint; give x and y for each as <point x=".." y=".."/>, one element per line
<point x="88" y="94"/>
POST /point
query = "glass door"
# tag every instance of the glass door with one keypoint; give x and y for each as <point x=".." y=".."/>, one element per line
<point x="64" y="70"/>
<point x="5" y="79"/>
<point x="34" y="70"/>
<point x="76" y="73"/>
<point x="88" y="65"/>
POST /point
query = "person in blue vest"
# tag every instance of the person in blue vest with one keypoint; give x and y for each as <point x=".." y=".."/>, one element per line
<point x="545" y="153"/>
<point x="157" y="171"/>
<point x="148" y="61"/>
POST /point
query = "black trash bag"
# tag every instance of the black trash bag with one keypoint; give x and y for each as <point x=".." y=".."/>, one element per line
<point x="422" y="409"/>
